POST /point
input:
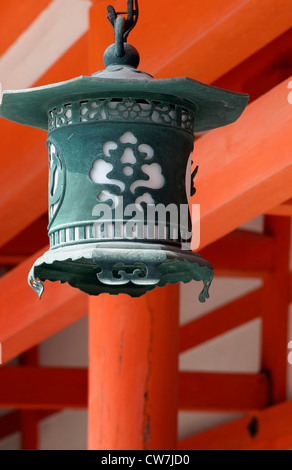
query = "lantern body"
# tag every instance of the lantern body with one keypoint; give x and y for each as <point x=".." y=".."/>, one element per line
<point x="119" y="143"/>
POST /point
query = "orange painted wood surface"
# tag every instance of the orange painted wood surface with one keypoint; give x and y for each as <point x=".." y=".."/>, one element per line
<point x="273" y="426"/>
<point x="42" y="388"/>
<point x="24" y="320"/>
<point x="200" y="391"/>
<point x="133" y="371"/>
<point x="221" y="320"/>
<point x="253" y="168"/>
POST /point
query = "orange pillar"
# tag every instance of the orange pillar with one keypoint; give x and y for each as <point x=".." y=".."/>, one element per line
<point x="133" y="371"/>
<point x="133" y="343"/>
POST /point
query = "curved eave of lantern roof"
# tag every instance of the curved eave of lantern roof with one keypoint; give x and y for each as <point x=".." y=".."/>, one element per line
<point x="214" y="107"/>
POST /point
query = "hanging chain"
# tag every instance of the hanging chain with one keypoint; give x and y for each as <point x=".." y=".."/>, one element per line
<point x="129" y="23"/>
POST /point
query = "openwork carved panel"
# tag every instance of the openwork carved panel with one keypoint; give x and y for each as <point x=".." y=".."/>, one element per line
<point x="60" y="116"/>
<point x="127" y="167"/>
<point x="123" y="110"/>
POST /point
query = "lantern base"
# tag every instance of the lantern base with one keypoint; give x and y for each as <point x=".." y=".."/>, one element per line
<point x="131" y="268"/>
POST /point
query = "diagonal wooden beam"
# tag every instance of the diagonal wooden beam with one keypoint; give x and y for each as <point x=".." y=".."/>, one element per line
<point x="203" y="35"/>
<point x="253" y="169"/>
<point x="41" y="388"/>
<point x="222" y="391"/>
<point x="221" y="320"/>
<point x="270" y="429"/>
<point x="24" y="320"/>
<point x="21" y="15"/>
<point x="195" y="40"/>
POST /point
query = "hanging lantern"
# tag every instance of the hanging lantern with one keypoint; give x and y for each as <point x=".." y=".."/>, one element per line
<point x="119" y="143"/>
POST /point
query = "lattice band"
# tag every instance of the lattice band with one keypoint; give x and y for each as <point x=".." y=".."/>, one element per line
<point x="124" y="110"/>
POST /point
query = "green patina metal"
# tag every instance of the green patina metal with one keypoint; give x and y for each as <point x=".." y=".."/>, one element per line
<point x="120" y="139"/>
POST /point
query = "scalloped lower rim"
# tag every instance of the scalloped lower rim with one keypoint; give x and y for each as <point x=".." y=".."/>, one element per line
<point x="104" y="270"/>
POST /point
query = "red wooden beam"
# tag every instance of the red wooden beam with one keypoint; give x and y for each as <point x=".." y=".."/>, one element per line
<point x="201" y="41"/>
<point x="213" y="40"/>
<point x="221" y="320"/>
<point x="253" y="168"/>
<point x="263" y="70"/>
<point x="241" y="253"/>
<point x="24" y="320"/>
<point x="37" y="388"/>
<point x="223" y="392"/>
<point x="270" y="429"/>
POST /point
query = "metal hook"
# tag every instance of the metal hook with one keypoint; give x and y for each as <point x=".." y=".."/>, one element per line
<point x="132" y="17"/>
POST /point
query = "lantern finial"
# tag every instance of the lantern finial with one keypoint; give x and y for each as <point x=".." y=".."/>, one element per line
<point x="122" y="53"/>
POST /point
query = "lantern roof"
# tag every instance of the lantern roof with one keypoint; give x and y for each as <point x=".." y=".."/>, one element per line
<point x="213" y="107"/>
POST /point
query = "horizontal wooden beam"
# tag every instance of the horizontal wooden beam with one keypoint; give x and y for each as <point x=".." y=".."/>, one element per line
<point x="222" y="392"/>
<point x="42" y="388"/>
<point x="46" y="388"/>
<point x="241" y="253"/>
<point x="253" y="168"/>
<point x="221" y="320"/>
<point x="270" y="429"/>
<point x="24" y="320"/>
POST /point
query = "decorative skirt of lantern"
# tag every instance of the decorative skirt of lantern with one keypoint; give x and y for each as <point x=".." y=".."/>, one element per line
<point x="119" y="145"/>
